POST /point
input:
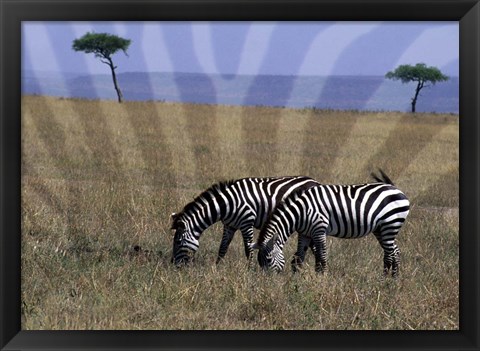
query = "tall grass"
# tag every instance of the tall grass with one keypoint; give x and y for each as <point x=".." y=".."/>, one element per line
<point x="100" y="180"/>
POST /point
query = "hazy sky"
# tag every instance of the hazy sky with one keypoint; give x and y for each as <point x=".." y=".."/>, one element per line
<point x="290" y="48"/>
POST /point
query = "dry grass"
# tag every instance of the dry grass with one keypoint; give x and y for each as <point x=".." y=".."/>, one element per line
<point x="99" y="178"/>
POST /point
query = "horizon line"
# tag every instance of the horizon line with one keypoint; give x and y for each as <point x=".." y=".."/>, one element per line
<point x="211" y="73"/>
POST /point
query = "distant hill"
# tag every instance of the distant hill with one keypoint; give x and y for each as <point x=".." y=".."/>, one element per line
<point x="335" y="92"/>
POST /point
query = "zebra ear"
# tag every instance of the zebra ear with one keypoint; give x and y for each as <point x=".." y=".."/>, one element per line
<point x="174" y="217"/>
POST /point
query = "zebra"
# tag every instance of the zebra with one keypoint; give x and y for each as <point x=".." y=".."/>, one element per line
<point x="344" y="211"/>
<point x="241" y="204"/>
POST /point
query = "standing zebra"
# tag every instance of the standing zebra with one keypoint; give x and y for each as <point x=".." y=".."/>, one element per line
<point x="344" y="211"/>
<point x="240" y="204"/>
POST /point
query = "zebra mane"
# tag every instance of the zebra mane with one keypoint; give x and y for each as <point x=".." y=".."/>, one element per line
<point x="263" y="235"/>
<point x="215" y="189"/>
<point x="383" y="177"/>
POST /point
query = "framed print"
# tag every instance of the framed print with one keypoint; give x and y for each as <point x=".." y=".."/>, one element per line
<point x="207" y="175"/>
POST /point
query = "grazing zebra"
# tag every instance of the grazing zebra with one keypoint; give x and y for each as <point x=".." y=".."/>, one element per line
<point x="344" y="211"/>
<point x="241" y="204"/>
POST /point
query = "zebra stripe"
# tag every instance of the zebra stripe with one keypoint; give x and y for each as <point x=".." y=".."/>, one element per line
<point x="344" y="211"/>
<point x="242" y="204"/>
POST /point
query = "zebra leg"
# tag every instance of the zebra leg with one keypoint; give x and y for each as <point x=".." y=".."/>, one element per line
<point x="225" y="243"/>
<point x="391" y="253"/>
<point x="302" y="246"/>
<point x="395" y="261"/>
<point x="320" y="251"/>
<point x="391" y="260"/>
<point x="247" y="234"/>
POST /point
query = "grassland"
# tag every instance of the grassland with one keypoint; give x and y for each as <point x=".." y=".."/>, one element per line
<point x="101" y="178"/>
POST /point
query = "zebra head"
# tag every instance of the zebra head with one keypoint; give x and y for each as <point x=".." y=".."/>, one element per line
<point x="270" y="256"/>
<point x="185" y="243"/>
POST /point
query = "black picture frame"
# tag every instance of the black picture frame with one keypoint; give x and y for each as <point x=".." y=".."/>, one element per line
<point x="13" y="12"/>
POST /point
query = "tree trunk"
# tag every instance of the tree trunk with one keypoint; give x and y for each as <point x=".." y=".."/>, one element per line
<point x="417" y="91"/>
<point x="119" y="93"/>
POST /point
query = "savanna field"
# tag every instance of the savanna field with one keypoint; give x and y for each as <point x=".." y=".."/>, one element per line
<point x="101" y="179"/>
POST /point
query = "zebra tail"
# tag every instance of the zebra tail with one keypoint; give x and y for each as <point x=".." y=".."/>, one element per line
<point x="383" y="177"/>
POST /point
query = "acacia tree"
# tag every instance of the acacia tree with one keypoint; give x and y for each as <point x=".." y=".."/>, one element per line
<point x="103" y="45"/>
<point x="419" y="73"/>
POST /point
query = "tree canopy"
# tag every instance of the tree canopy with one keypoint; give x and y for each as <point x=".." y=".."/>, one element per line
<point x="103" y="45"/>
<point x="419" y="73"/>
